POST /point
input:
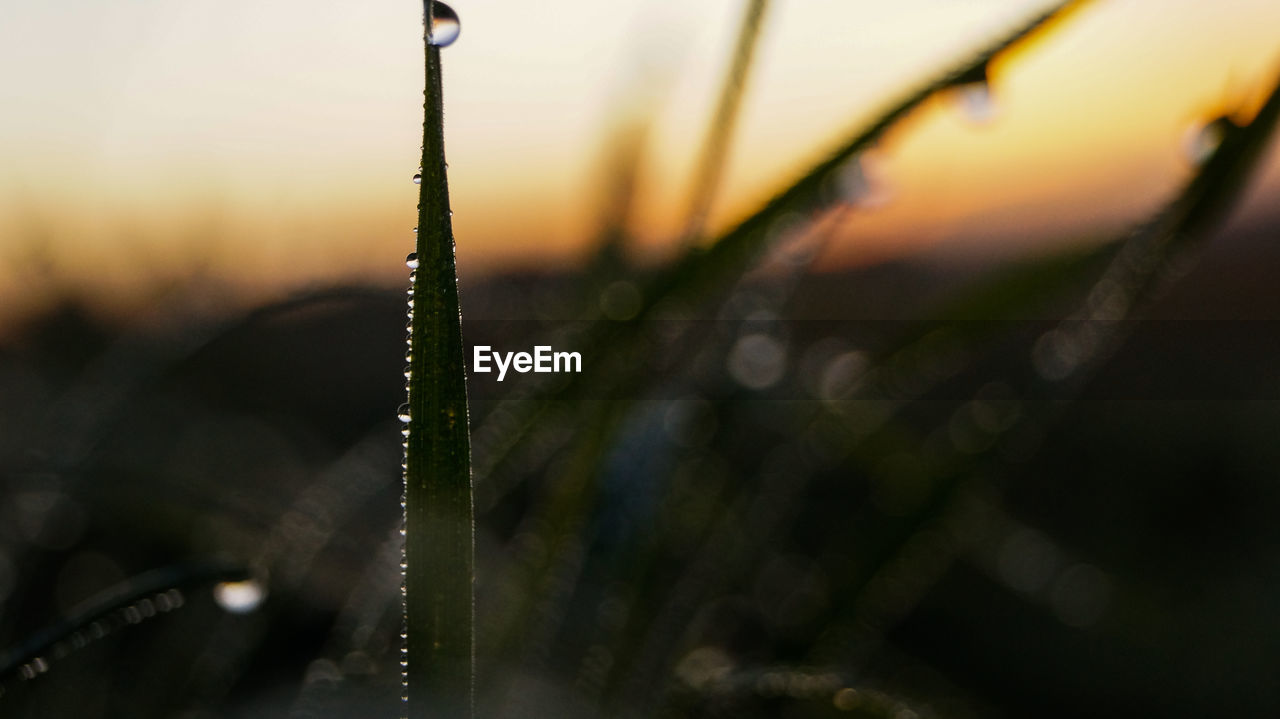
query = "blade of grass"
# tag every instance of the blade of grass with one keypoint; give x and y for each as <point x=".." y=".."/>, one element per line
<point x="624" y="155"/>
<point x="711" y="165"/>
<point x="1215" y="190"/>
<point x="67" y="635"/>
<point x="733" y="252"/>
<point x="439" y="531"/>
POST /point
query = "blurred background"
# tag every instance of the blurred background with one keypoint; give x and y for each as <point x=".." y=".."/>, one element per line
<point x="992" y="437"/>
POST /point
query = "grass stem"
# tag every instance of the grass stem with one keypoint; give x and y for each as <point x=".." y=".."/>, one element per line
<point x="439" y="531"/>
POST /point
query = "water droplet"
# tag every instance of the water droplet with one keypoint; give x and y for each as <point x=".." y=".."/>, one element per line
<point x="972" y="92"/>
<point x="411" y="261"/>
<point x="403" y="413"/>
<point x="417" y="178"/>
<point x="859" y="182"/>
<point x="1201" y="141"/>
<point x="239" y="597"/>
<point x="445" y="25"/>
<point x="851" y="181"/>
<point x="976" y="102"/>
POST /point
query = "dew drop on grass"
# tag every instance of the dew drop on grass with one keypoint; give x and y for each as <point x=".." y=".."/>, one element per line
<point x="1201" y="141"/>
<point x="417" y="178"/>
<point x="445" y="25"/>
<point x="239" y="597"/>
<point x="972" y="92"/>
<point x="411" y="261"/>
<point x="976" y="102"/>
<point x="852" y="183"/>
<point x="403" y="413"/>
<point x="858" y="182"/>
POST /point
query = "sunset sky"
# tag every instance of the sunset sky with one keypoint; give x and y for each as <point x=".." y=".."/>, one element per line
<point x="270" y="145"/>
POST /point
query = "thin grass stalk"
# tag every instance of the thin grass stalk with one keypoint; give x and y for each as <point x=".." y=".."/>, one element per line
<point x="106" y="610"/>
<point x="702" y="270"/>
<point x="439" y="530"/>
<point x="624" y="154"/>
<point x="711" y="165"/>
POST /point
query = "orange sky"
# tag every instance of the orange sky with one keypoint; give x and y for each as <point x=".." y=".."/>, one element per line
<point x="270" y="145"/>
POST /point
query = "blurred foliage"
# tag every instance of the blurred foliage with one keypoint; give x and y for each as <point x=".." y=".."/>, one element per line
<point x="1040" y="489"/>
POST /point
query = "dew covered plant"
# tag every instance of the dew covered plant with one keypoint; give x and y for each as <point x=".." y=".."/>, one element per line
<point x="438" y="564"/>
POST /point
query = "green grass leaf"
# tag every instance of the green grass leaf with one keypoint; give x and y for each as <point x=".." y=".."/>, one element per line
<point x="439" y="527"/>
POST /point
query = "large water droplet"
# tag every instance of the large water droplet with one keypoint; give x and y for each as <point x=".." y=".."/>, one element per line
<point x="852" y="183"/>
<point x="417" y="180"/>
<point x="403" y="413"/>
<point x="976" y="102"/>
<point x="972" y="92"/>
<point x="858" y="182"/>
<point x="1201" y="141"/>
<point x="239" y="597"/>
<point x="445" y="25"/>
<point x="411" y="261"/>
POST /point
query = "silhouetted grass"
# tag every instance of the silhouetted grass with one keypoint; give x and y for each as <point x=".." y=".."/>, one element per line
<point x="439" y="523"/>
